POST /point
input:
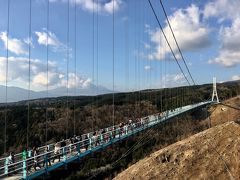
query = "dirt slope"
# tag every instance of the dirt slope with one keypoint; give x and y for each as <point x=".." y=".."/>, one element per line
<point x="221" y="114"/>
<point x="211" y="154"/>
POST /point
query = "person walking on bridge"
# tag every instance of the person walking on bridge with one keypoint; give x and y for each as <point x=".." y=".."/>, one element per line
<point x="57" y="148"/>
<point x="47" y="157"/>
<point x="63" y="147"/>
<point x="11" y="161"/>
<point x="35" y="158"/>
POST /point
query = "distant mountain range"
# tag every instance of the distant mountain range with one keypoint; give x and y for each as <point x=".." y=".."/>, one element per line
<point x="15" y="94"/>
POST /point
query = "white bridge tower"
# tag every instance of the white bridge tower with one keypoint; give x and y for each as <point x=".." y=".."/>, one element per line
<point x="214" y="94"/>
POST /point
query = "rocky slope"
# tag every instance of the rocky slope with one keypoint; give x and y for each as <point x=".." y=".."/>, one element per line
<point x="211" y="154"/>
<point x="221" y="114"/>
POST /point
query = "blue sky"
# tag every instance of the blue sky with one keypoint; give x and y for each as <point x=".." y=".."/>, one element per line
<point x="207" y="32"/>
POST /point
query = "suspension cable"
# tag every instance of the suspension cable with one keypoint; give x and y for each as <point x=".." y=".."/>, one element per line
<point x="6" y="82"/>
<point x="93" y="59"/>
<point x="135" y="62"/>
<point x="75" y="66"/>
<point x="139" y="63"/>
<point x="165" y="83"/>
<point x="176" y="42"/>
<point x="154" y="87"/>
<point x="46" y="125"/>
<point x="155" y="67"/>
<point x="113" y="61"/>
<point x="29" y="67"/>
<point x="149" y="84"/>
<point x="67" y="127"/>
<point x="127" y="62"/>
<point x="168" y="42"/>
<point x="161" y="75"/>
<point x="97" y="60"/>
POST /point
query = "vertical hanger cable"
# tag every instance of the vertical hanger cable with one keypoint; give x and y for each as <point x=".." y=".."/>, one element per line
<point x="113" y="63"/>
<point x="29" y="67"/>
<point x="93" y="59"/>
<point x="97" y="53"/>
<point x="75" y="66"/>
<point x="47" y="44"/>
<point x="68" y="16"/>
<point x="6" y="81"/>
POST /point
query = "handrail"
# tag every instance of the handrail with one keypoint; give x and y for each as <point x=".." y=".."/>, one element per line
<point x="92" y="142"/>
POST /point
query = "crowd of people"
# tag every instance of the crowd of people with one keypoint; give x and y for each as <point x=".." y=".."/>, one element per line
<point x="39" y="157"/>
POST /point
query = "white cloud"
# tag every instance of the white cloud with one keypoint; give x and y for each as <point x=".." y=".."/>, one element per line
<point x="76" y="81"/>
<point x="16" y="46"/>
<point x="18" y="73"/>
<point x="147" y="26"/>
<point x="18" y="70"/>
<point x="173" y="80"/>
<point x="147" y="68"/>
<point x="229" y="54"/>
<point x="236" y="77"/>
<point x="28" y="41"/>
<point x="49" y="38"/>
<point x="178" y="77"/>
<point x="108" y="6"/>
<point x="104" y="6"/>
<point x="190" y="32"/>
<point x="147" y="46"/>
<point x="227" y="59"/>
<point x="40" y="79"/>
<point x="222" y="9"/>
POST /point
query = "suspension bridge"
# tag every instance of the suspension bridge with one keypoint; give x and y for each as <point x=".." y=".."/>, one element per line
<point x="53" y="156"/>
<point x="29" y="164"/>
<point x="37" y="162"/>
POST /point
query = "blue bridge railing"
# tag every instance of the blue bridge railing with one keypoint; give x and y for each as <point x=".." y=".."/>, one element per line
<point x="38" y="161"/>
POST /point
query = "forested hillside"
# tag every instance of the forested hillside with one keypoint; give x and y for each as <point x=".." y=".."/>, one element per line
<point x="60" y="116"/>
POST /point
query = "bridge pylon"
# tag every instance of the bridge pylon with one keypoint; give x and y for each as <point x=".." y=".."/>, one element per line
<point x="214" y="94"/>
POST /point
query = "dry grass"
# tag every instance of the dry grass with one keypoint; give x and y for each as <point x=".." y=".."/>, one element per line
<point x="211" y="154"/>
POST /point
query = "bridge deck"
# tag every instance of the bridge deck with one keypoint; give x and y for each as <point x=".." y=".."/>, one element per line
<point x="56" y="156"/>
